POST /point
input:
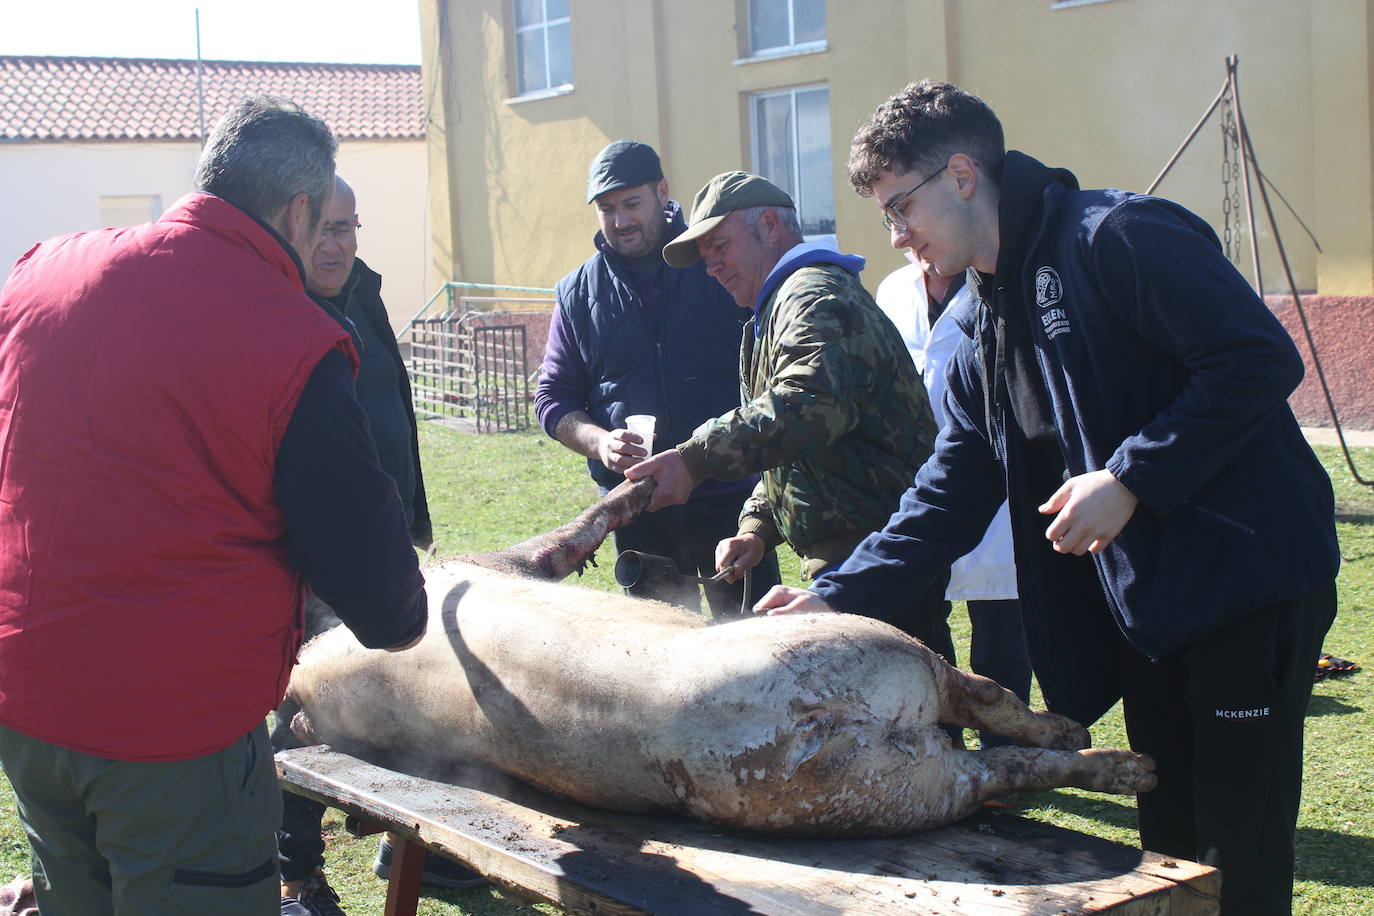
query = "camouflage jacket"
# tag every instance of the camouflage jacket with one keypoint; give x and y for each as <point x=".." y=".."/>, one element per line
<point x="833" y="414"/>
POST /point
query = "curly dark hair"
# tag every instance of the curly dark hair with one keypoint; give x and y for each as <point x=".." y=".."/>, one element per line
<point x="919" y="128"/>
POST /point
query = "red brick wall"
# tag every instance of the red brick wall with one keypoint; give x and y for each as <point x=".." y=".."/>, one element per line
<point x="536" y="333"/>
<point x="1343" y="330"/>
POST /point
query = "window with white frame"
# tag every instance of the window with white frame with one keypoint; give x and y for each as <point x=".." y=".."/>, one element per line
<point x="791" y="133"/>
<point x="776" y="25"/>
<point x="129" y="209"/>
<point x="543" y="45"/>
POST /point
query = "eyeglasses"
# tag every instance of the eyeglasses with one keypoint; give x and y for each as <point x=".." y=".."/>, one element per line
<point x="895" y="220"/>
<point x="342" y="231"/>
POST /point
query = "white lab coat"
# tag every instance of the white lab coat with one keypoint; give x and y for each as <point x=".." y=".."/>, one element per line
<point x="988" y="572"/>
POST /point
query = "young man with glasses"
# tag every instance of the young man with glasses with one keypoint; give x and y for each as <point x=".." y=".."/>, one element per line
<point x="1125" y="389"/>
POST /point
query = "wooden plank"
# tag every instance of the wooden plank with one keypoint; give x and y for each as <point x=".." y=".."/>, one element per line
<point x="602" y="862"/>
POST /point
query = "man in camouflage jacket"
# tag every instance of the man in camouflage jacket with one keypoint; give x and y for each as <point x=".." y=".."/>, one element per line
<point x="833" y="413"/>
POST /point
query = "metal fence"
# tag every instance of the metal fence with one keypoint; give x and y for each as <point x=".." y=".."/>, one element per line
<point x="473" y="372"/>
<point x="468" y="361"/>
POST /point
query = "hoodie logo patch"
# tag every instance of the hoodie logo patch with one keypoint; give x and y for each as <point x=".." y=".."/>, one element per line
<point x="1048" y="291"/>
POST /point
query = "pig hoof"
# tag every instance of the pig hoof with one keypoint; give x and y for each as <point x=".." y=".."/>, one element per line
<point x="1063" y="733"/>
<point x="1119" y="772"/>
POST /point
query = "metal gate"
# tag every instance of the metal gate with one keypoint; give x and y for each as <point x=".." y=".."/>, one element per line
<point x="461" y="369"/>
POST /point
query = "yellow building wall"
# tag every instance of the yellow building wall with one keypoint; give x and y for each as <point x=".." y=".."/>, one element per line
<point x="1107" y="89"/>
<point x="1111" y="89"/>
<point x="388" y="179"/>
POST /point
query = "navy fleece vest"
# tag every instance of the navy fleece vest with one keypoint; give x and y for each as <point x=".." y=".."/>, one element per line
<point x="685" y="374"/>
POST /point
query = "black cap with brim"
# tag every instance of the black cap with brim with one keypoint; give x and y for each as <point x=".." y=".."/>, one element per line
<point x="714" y="202"/>
<point x="622" y="164"/>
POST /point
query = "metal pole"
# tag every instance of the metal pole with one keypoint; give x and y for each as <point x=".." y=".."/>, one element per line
<point x="1248" y="151"/>
<point x="200" y="83"/>
<point x="1232" y="63"/>
<point x="1189" y="139"/>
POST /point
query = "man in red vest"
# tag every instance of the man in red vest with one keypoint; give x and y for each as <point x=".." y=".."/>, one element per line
<point x="181" y="453"/>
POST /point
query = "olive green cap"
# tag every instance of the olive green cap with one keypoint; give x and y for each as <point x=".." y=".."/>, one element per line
<point x="714" y="202"/>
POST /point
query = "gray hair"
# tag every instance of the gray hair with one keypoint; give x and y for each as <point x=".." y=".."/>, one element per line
<point x="265" y="152"/>
<point x="787" y="217"/>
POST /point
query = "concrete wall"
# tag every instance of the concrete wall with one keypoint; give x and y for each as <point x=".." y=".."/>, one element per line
<point x="391" y="181"/>
<point x="52" y="188"/>
<point x="1109" y="89"/>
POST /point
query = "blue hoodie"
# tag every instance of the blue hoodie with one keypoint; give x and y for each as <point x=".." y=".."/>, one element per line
<point x="1154" y="359"/>
<point x="802" y="255"/>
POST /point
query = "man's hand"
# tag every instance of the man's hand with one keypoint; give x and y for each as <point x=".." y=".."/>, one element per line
<point x="617" y="449"/>
<point x="743" y="551"/>
<point x="784" y="599"/>
<point x="675" y="482"/>
<point x="1091" y="510"/>
<point x="620" y="449"/>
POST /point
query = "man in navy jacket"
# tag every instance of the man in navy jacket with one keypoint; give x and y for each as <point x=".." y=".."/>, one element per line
<point x="631" y="335"/>
<point x="1124" y="388"/>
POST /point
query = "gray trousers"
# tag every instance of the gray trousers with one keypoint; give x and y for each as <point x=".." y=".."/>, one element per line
<point x="119" y="838"/>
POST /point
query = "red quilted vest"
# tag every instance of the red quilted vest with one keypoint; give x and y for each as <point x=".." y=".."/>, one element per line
<point x="148" y="610"/>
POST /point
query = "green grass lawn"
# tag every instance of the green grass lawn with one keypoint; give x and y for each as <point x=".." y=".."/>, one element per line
<point x="493" y="490"/>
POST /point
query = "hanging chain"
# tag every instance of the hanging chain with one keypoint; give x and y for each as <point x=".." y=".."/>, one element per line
<point x="1232" y="235"/>
<point x="1232" y="179"/>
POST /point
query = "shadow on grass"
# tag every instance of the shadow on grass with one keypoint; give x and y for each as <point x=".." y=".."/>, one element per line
<point x="1325" y="856"/>
<point x="1105" y="810"/>
<point x="487" y="901"/>
<point x="1334" y="858"/>
<point x="1323" y="704"/>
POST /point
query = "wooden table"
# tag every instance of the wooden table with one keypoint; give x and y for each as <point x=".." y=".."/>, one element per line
<point x="599" y="862"/>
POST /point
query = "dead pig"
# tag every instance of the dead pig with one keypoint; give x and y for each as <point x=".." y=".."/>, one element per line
<point x="815" y="725"/>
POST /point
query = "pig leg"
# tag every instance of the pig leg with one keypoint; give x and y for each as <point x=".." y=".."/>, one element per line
<point x="985" y="775"/>
<point x="1014" y="769"/>
<point x="951" y="783"/>
<point x="566" y="549"/>
<point x="978" y="702"/>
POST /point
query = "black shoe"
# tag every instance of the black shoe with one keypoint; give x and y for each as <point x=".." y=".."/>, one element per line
<point x="315" y="898"/>
<point x="440" y="871"/>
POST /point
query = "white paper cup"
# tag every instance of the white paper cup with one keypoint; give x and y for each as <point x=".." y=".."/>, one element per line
<point x="643" y="424"/>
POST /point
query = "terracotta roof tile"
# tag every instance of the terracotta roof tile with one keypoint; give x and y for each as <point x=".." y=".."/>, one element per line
<point x="111" y="98"/>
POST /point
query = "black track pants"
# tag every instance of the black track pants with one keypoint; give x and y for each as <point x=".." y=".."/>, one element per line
<point x="1223" y="719"/>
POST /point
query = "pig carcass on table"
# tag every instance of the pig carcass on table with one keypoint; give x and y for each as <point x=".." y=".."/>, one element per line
<point x="807" y="725"/>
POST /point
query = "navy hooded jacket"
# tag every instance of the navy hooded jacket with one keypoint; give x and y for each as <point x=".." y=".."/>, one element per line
<point x="1160" y="364"/>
